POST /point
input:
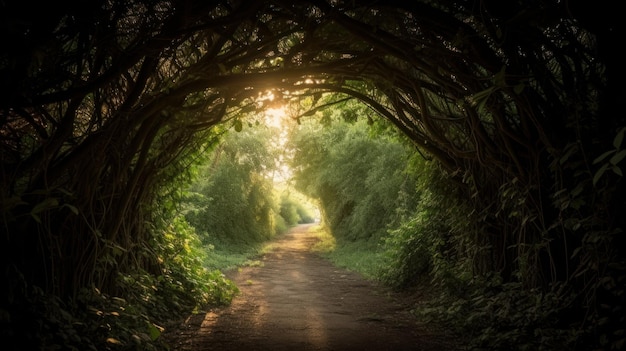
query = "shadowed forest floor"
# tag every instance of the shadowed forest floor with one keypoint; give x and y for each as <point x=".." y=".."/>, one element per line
<point x="296" y="300"/>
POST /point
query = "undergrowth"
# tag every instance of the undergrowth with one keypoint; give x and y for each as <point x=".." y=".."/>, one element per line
<point x="151" y="302"/>
<point x="363" y="257"/>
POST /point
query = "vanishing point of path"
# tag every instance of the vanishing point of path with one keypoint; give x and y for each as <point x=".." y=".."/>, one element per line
<point x="296" y="300"/>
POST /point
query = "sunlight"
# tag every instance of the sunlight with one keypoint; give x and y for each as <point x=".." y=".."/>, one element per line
<point x="276" y="117"/>
<point x="275" y="113"/>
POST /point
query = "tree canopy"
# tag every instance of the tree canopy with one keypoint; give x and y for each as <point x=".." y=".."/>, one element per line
<point x="105" y="103"/>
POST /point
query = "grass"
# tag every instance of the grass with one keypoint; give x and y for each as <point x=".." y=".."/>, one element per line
<point x="327" y="243"/>
<point x="253" y="263"/>
<point x="230" y="256"/>
<point x="225" y="256"/>
<point x="365" y="258"/>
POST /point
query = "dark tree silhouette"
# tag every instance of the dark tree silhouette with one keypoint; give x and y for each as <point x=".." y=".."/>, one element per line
<point x="102" y="101"/>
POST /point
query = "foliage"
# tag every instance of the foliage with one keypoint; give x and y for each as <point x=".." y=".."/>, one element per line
<point x="358" y="256"/>
<point x="99" y="321"/>
<point x="439" y="246"/>
<point x="103" y="103"/>
<point x="356" y="174"/>
<point x="289" y="211"/>
<point x="233" y="202"/>
<point x="408" y="249"/>
<point x="442" y="241"/>
<point x="293" y="211"/>
<point x="326" y="243"/>
<point x="183" y="257"/>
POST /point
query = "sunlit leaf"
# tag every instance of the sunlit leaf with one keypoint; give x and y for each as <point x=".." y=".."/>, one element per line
<point x="113" y="341"/>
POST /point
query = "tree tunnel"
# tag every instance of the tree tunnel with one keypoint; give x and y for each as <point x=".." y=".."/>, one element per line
<point x="104" y="102"/>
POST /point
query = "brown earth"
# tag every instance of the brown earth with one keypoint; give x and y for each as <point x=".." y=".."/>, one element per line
<point x="296" y="300"/>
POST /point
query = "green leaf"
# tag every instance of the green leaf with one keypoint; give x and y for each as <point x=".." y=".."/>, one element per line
<point x="577" y="190"/>
<point x="618" y="157"/>
<point x="71" y="208"/>
<point x="603" y="156"/>
<point x="117" y="250"/>
<point x="599" y="173"/>
<point x="46" y="204"/>
<point x="153" y="331"/>
<point x="238" y="126"/>
<point x="617" y="171"/>
<point x="499" y="79"/>
<point x="571" y="149"/>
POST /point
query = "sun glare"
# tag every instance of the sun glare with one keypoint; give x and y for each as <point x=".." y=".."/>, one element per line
<point x="276" y="117"/>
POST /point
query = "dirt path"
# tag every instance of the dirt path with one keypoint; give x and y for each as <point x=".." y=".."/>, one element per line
<point x="296" y="300"/>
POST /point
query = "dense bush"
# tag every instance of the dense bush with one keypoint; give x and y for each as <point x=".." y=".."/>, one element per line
<point x="293" y="211"/>
<point x="133" y="319"/>
<point x="439" y="238"/>
<point x="233" y="201"/>
<point x="356" y="172"/>
<point x="289" y="211"/>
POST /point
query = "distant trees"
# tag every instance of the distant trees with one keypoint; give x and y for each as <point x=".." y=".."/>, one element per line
<point x="233" y="199"/>
<point x="294" y="211"/>
<point x="355" y="171"/>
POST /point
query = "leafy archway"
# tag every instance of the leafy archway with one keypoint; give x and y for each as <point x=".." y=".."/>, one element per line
<point x="104" y="103"/>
